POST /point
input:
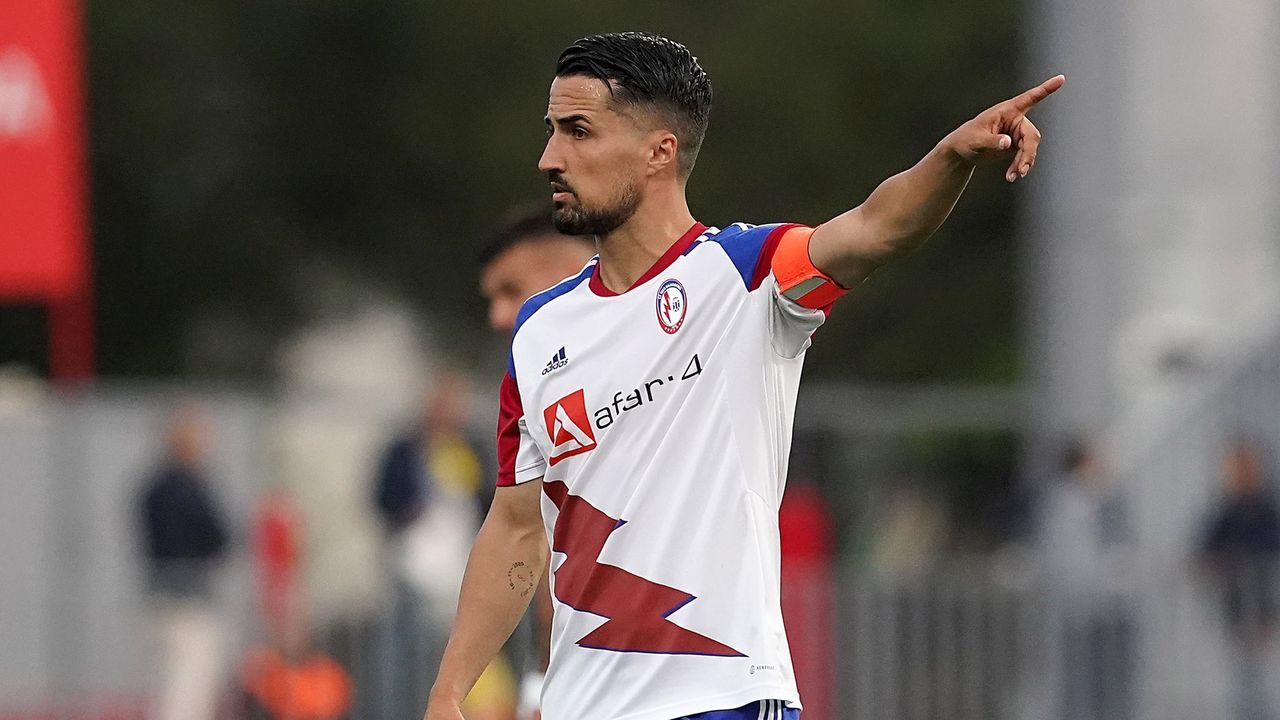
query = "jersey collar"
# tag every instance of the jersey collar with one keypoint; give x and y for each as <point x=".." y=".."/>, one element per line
<point x="678" y="248"/>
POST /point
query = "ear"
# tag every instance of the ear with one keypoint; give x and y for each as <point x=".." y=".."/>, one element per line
<point x="663" y="152"/>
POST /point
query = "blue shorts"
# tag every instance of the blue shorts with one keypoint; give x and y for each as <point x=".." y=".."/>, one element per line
<point x="762" y="710"/>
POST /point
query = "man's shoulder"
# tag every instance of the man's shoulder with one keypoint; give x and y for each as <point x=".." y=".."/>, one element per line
<point x="536" y="304"/>
<point x="541" y="300"/>
<point x="737" y="232"/>
<point x="748" y="246"/>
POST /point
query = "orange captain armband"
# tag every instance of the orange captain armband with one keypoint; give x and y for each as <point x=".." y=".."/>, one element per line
<point x="799" y="280"/>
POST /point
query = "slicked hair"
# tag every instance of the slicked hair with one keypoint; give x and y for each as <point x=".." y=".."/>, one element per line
<point x="651" y="73"/>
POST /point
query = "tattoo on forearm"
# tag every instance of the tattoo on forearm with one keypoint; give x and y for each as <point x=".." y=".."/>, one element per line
<point x="520" y="579"/>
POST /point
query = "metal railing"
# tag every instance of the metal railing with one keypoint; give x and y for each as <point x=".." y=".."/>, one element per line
<point x="988" y="637"/>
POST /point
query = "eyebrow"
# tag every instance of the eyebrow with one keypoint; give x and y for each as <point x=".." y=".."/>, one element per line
<point x="568" y="119"/>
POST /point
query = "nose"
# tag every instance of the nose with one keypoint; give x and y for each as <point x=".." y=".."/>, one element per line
<point x="551" y="158"/>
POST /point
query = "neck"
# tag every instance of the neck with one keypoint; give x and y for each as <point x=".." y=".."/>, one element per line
<point x="633" y="248"/>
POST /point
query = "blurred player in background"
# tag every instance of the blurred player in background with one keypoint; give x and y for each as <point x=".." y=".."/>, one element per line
<point x="524" y="257"/>
<point x="647" y="409"/>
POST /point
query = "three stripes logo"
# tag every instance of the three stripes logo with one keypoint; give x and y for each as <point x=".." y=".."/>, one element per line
<point x="558" y="361"/>
<point x="773" y="709"/>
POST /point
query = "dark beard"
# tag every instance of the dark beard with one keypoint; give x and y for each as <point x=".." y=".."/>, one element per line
<point x="579" y="220"/>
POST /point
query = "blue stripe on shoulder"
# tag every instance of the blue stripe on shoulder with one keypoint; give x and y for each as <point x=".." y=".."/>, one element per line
<point x="743" y="244"/>
<point x="537" y="302"/>
<point x="698" y="240"/>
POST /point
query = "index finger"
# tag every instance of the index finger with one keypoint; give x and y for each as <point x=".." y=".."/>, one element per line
<point x="1028" y="99"/>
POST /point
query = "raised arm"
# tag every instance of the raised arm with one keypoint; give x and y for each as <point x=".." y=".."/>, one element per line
<point x="506" y="563"/>
<point x="907" y="208"/>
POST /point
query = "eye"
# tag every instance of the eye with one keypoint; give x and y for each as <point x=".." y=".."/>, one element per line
<point x="579" y="132"/>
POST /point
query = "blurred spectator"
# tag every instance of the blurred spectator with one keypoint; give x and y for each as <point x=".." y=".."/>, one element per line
<point x="432" y="491"/>
<point x="1086" y="543"/>
<point x="286" y="678"/>
<point x="277" y="556"/>
<point x="911" y="531"/>
<point x="185" y="541"/>
<point x="808" y="592"/>
<point x="1240" y="549"/>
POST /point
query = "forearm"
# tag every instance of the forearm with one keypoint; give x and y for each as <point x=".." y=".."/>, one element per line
<point x="502" y="574"/>
<point x="908" y="207"/>
<point x="895" y="220"/>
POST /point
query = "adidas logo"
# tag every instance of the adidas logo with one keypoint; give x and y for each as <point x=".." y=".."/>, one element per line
<point x="558" y="361"/>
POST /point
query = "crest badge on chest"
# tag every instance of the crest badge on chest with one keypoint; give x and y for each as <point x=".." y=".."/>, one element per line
<point x="672" y="306"/>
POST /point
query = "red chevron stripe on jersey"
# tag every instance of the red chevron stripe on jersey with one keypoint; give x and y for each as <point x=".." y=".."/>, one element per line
<point x="637" y="608"/>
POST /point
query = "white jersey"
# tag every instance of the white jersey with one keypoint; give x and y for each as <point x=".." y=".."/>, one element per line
<point x="659" y="421"/>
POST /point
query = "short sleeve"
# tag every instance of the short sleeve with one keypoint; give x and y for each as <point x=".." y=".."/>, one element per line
<point x="774" y="258"/>
<point x="791" y="325"/>
<point x="519" y="458"/>
<point x="802" y="294"/>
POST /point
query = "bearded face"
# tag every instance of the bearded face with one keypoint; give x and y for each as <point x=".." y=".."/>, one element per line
<point x="596" y="156"/>
<point x="576" y="216"/>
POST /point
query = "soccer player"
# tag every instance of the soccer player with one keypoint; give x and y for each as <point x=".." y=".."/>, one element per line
<point x="647" y="409"/>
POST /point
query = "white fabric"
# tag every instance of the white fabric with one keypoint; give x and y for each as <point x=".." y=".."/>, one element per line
<point x="191" y="645"/>
<point x="530" y="462"/>
<point x="691" y="432"/>
<point x="530" y="693"/>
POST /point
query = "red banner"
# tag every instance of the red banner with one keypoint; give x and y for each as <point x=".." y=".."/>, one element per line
<point x="43" y="254"/>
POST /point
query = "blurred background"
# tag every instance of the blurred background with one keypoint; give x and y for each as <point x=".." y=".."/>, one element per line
<point x="241" y="330"/>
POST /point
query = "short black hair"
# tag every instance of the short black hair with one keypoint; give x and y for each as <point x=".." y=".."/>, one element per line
<point x="652" y="72"/>
<point x="521" y="225"/>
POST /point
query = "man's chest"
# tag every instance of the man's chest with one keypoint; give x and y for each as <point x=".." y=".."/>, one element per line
<point x="597" y="368"/>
